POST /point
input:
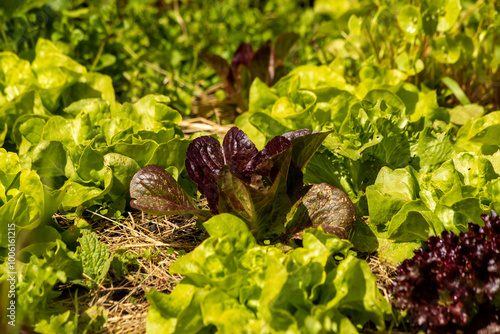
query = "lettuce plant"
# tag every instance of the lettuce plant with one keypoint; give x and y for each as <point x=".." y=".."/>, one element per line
<point x="233" y="285"/>
<point x="456" y="282"/>
<point x="267" y="64"/>
<point x="265" y="188"/>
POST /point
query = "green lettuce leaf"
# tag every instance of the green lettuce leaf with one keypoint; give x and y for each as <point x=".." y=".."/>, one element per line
<point x="265" y="289"/>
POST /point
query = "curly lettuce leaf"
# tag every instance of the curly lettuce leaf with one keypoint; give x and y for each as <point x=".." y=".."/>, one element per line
<point x="266" y="289"/>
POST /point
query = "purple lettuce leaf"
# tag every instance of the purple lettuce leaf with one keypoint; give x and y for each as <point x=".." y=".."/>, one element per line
<point x="263" y="202"/>
<point x="238" y="150"/>
<point x="330" y="208"/>
<point x="263" y="165"/>
<point x="326" y="206"/>
<point x="155" y="191"/>
<point x="204" y="159"/>
<point x="259" y="186"/>
<point x="219" y="64"/>
<point x="262" y="64"/>
<point x="242" y="56"/>
<point x="455" y="283"/>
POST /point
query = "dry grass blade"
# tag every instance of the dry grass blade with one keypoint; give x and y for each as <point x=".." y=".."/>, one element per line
<point x="200" y="124"/>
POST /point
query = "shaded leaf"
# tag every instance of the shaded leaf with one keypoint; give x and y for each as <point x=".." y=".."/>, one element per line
<point x="155" y="191"/>
<point x="238" y="150"/>
<point x="284" y="43"/>
<point x="331" y="208"/>
<point x="204" y="159"/>
<point x="260" y="66"/>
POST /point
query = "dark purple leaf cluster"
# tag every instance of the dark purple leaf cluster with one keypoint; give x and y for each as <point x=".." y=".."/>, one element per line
<point x="262" y="187"/>
<point x="267" y="64"/>
<point x="205" y="158"/>
<point x="457" y="278"/>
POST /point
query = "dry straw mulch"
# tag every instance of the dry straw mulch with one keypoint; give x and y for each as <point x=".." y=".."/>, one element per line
<point x="151" y="244"/>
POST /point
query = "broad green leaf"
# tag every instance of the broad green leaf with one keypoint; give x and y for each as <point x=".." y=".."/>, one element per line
<point x="392" y="189"/>
<point x="24" y="106"/>
<point x="261" y="97"/>
<point x="60" y="323"/>
<point x="356" y="293"/>
<point x="49" y="158"/>
<point x="409" y="66"/>
<point x="462" y="114"/>
<point x="396" y="252"/>
<point x="149" y="111"/>
<point x="447" y="12"/>
<point x="78" y="194"/>
<point x="37" y="241"/>
<point x="9" y="168"/>
<point x="432" y="149"/>
<point x="15" y="75"/>
<point x="334" y="8"/>
<point x="410" y="21"/>
<point x="331" y="108"/>
<point x="96" y="258"/>
<point x="217" y="307"/>
<point x="355" y="24"/>
<point x="445" y="50"/>
<point x="378" y="77"/>
<point x="483" y="130"/>
<point x="14" y="212"/>
<point x="476" y="171"/>
<point x="412" y="222"/>
<point x="243" y="123"/>
<point x="171" y="153"/>
<point x="267" y="125"/>
<point x="164" y="308"/>
<point x="318" y="246"/>
<point x="313" y="77"/>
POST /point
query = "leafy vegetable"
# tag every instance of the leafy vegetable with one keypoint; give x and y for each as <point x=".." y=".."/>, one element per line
<point x="155" y="191"/>
<point x="330" y="208"/>
<point x="232" y="285"/>
<point x="267" y="64"/>
<point x="36" y="279"/>
<point x="260" y="187"/>
<point x="456" y="282"/>
<point x="96" y="258"/>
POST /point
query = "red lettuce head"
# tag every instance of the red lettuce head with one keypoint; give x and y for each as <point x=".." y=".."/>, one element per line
<point x="205" y="158"/>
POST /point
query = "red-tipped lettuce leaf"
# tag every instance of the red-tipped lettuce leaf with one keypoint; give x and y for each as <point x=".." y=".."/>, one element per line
<point x="264" y="207"/>
<point x="330" y="208"/>
<point x="242" y="56"/>
<point x="262" y="165"/>
<point x="259" y="186"/>
<point x="155" y="191"/>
